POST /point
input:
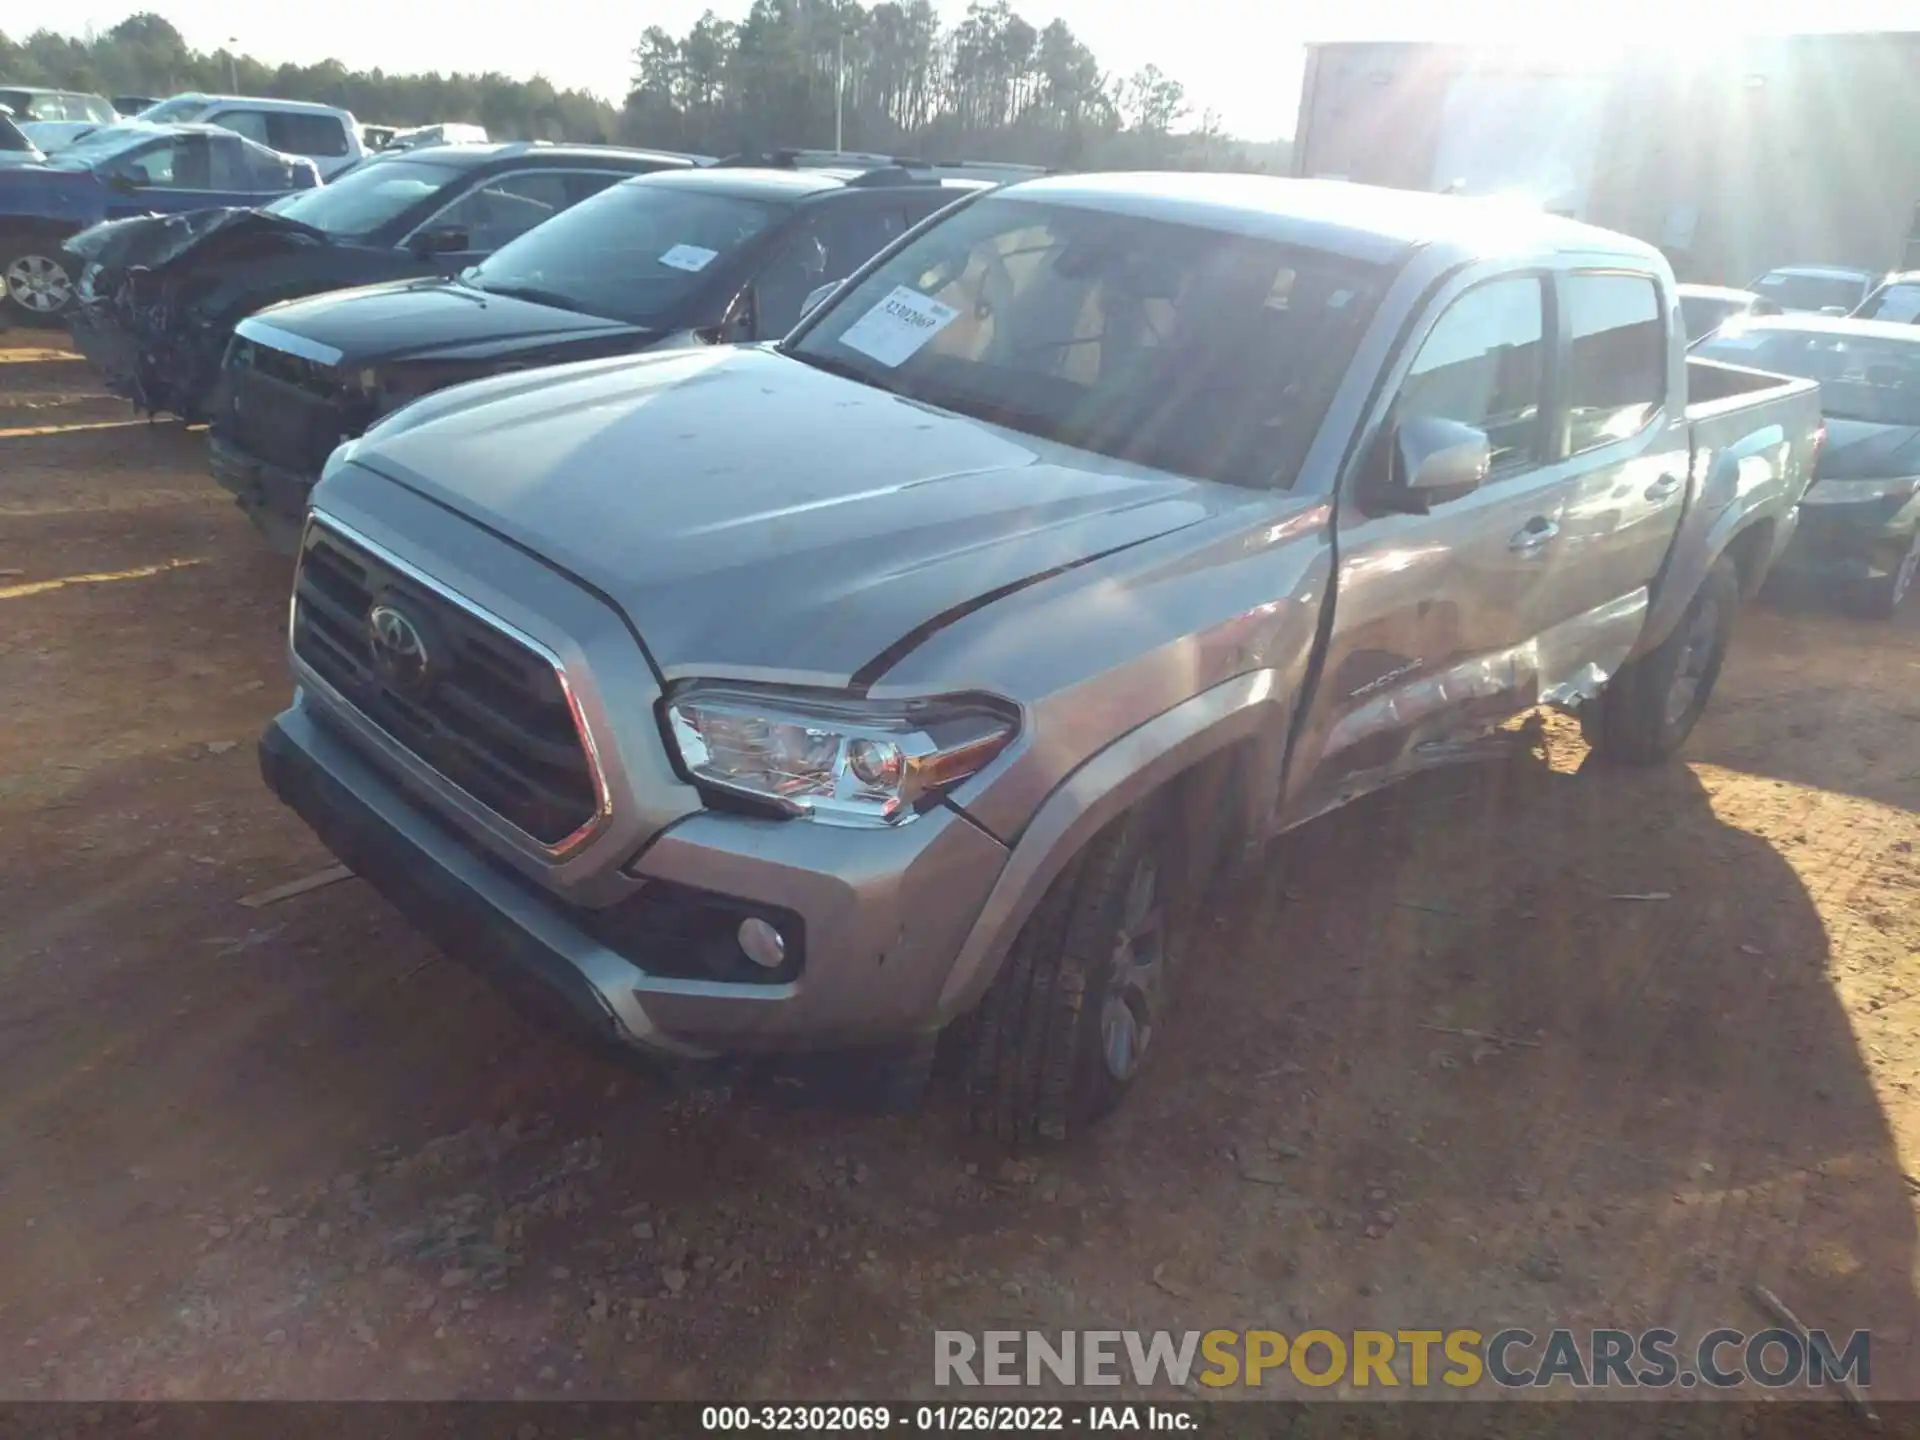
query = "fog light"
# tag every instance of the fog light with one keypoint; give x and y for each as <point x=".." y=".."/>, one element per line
<point x="762" y="943"/>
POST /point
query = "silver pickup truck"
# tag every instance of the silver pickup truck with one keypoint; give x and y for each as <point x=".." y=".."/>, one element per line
<point x="903" y="676"/>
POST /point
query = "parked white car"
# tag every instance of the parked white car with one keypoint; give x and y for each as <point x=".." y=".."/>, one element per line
<point x="328" y="136"/>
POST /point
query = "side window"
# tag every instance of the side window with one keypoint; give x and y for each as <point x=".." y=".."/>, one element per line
<point x="250" y="123"/>
<point x="227" y="164"/>
<point x="506" y="207"/>
<point x="583" y="184"/>
<point x="314" y="135"/>
<point x="1483" y="364"/>
<point x="1617" y="367"/>
<point x="829" y="246"/>
<point x="151" y="167"/>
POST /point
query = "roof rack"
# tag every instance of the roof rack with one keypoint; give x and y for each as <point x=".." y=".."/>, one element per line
<point x="877" y="169"/>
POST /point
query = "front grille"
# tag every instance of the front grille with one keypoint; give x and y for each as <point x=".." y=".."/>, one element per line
<point x="488" y="713"/>
<point x="285" y="410"/>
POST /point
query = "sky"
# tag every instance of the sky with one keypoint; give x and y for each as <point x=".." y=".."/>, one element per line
<point x="1240" y="58"/>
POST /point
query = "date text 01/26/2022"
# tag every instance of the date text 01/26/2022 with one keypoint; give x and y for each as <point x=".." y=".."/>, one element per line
<point x="976" y="1419"/>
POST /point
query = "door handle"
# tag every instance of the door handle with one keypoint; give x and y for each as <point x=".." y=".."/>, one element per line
<point x="1534" y="536"/>
<point x="1665" y="488"/>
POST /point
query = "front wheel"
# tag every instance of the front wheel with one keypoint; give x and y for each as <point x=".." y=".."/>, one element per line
<point x="1064" y="1030"/>
<point x="1646" y="712"/>
<point x="34" y="276"/>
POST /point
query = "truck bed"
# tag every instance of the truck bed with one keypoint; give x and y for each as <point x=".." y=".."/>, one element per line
<point x="1715" y="388"/>
<point x="1753" y="436"/>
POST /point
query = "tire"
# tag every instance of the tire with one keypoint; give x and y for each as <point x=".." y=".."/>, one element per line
<point x="1059" y="1039"/>
<point x="1646" y="712"/>
<point x="36" y="277"/>
<point x="1880" y="599"/>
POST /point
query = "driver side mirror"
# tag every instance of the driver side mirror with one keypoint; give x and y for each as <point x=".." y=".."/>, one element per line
<point x="122" y="184"/>
<point x="441" y="240"/>
<point x="815" y="296"/>
<point x="1432" y="460"/>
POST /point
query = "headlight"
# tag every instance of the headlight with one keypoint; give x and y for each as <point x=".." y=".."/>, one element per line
<point x="842" y="761"/>
<point x="1856" y="492"/>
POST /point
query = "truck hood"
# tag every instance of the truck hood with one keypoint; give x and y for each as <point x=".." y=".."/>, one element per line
<point x="757" y="518"/>
<point x="439" y="319"/>
<point x="1862" y="450"/>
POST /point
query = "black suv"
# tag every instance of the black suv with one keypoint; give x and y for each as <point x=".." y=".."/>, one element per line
<point x="728" y="252"/>
<point x="159" y="294"/>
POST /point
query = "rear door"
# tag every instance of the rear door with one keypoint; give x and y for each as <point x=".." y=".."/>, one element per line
<point x="1619" y="435"/>
<point x="1435" y="614"/>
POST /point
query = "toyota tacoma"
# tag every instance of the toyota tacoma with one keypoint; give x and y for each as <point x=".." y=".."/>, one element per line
<point x="905" y="674"/>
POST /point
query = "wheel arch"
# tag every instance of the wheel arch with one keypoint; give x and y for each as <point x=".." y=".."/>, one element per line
<point x="1223" y="747"/>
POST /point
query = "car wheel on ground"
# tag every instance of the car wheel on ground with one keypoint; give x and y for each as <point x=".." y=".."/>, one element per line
<point x="1879" y="599"/>
<point x="1062" y="1033"/>
<point x="35" y="277"/>
<point x="1646" y="712"/>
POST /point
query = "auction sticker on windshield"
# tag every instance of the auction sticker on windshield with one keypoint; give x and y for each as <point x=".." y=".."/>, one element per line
<point x="688" y="257"/>
<point x="893" y="331"/>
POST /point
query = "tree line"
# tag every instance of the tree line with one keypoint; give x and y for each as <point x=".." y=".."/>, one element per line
<point x="990" y="87"/>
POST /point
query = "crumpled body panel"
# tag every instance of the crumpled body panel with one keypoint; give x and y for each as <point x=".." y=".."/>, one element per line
<point x="155" y="317"/>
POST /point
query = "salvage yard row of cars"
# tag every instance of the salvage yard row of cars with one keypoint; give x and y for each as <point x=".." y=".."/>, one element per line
<point x="825" y="603"/>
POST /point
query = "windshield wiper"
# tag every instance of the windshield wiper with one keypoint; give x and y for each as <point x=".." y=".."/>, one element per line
<point x="533" y="294"/>
<point x="847" y="370"/>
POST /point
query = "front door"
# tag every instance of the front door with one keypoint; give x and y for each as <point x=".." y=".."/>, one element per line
<point x="178" y="174"/>
<point x="1435" y="613"/>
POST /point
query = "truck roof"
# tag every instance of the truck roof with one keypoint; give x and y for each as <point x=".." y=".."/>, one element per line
<point x="1368" y="221"/>
<point x="1823" y="272"/>
<point x="468" y="155"/>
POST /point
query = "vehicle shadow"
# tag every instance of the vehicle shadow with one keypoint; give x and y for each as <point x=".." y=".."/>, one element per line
<point x="1544" y="1043"/>
<point x="1814" y="697"/>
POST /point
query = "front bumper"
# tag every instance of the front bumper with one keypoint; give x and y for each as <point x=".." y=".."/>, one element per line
<point x="883" y="913"/>
<point x="272" y="496"/>
<point x="1853" y="542"/>
<point x="110" y="350"/>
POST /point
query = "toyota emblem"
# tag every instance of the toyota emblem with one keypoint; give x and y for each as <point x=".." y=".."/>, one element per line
<point x="399" y="649"/>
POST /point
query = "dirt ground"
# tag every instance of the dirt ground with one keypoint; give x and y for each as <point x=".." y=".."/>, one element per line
<point x="291" y="1152"/>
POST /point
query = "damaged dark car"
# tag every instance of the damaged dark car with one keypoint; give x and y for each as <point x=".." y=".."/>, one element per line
<point x="721" y="254"/>
<point x="158" y="296"/>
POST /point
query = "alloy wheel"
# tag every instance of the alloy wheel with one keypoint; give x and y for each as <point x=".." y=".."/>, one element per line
<point x="1136" y="975"/>
<point x="1696" y="657"/>
<point x="38" y="284"/>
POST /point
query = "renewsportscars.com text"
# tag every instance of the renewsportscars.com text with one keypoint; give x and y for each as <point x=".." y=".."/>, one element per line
<point x="1387" y="1359"/>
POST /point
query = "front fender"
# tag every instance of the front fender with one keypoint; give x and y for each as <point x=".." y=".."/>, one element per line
<point x="1249" y="707"/>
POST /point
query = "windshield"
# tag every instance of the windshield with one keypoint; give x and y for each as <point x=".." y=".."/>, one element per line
<point x="175" y="111"/>
<point x="1862" y="377"/>
<point x="1896" y="304"/>
<point x="1810" y="292"/>
<point x="1703" y="313"/>
<point x="634" y="252"/>
<point x="360" y="203"/>
<point x="1189" y="349"/>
